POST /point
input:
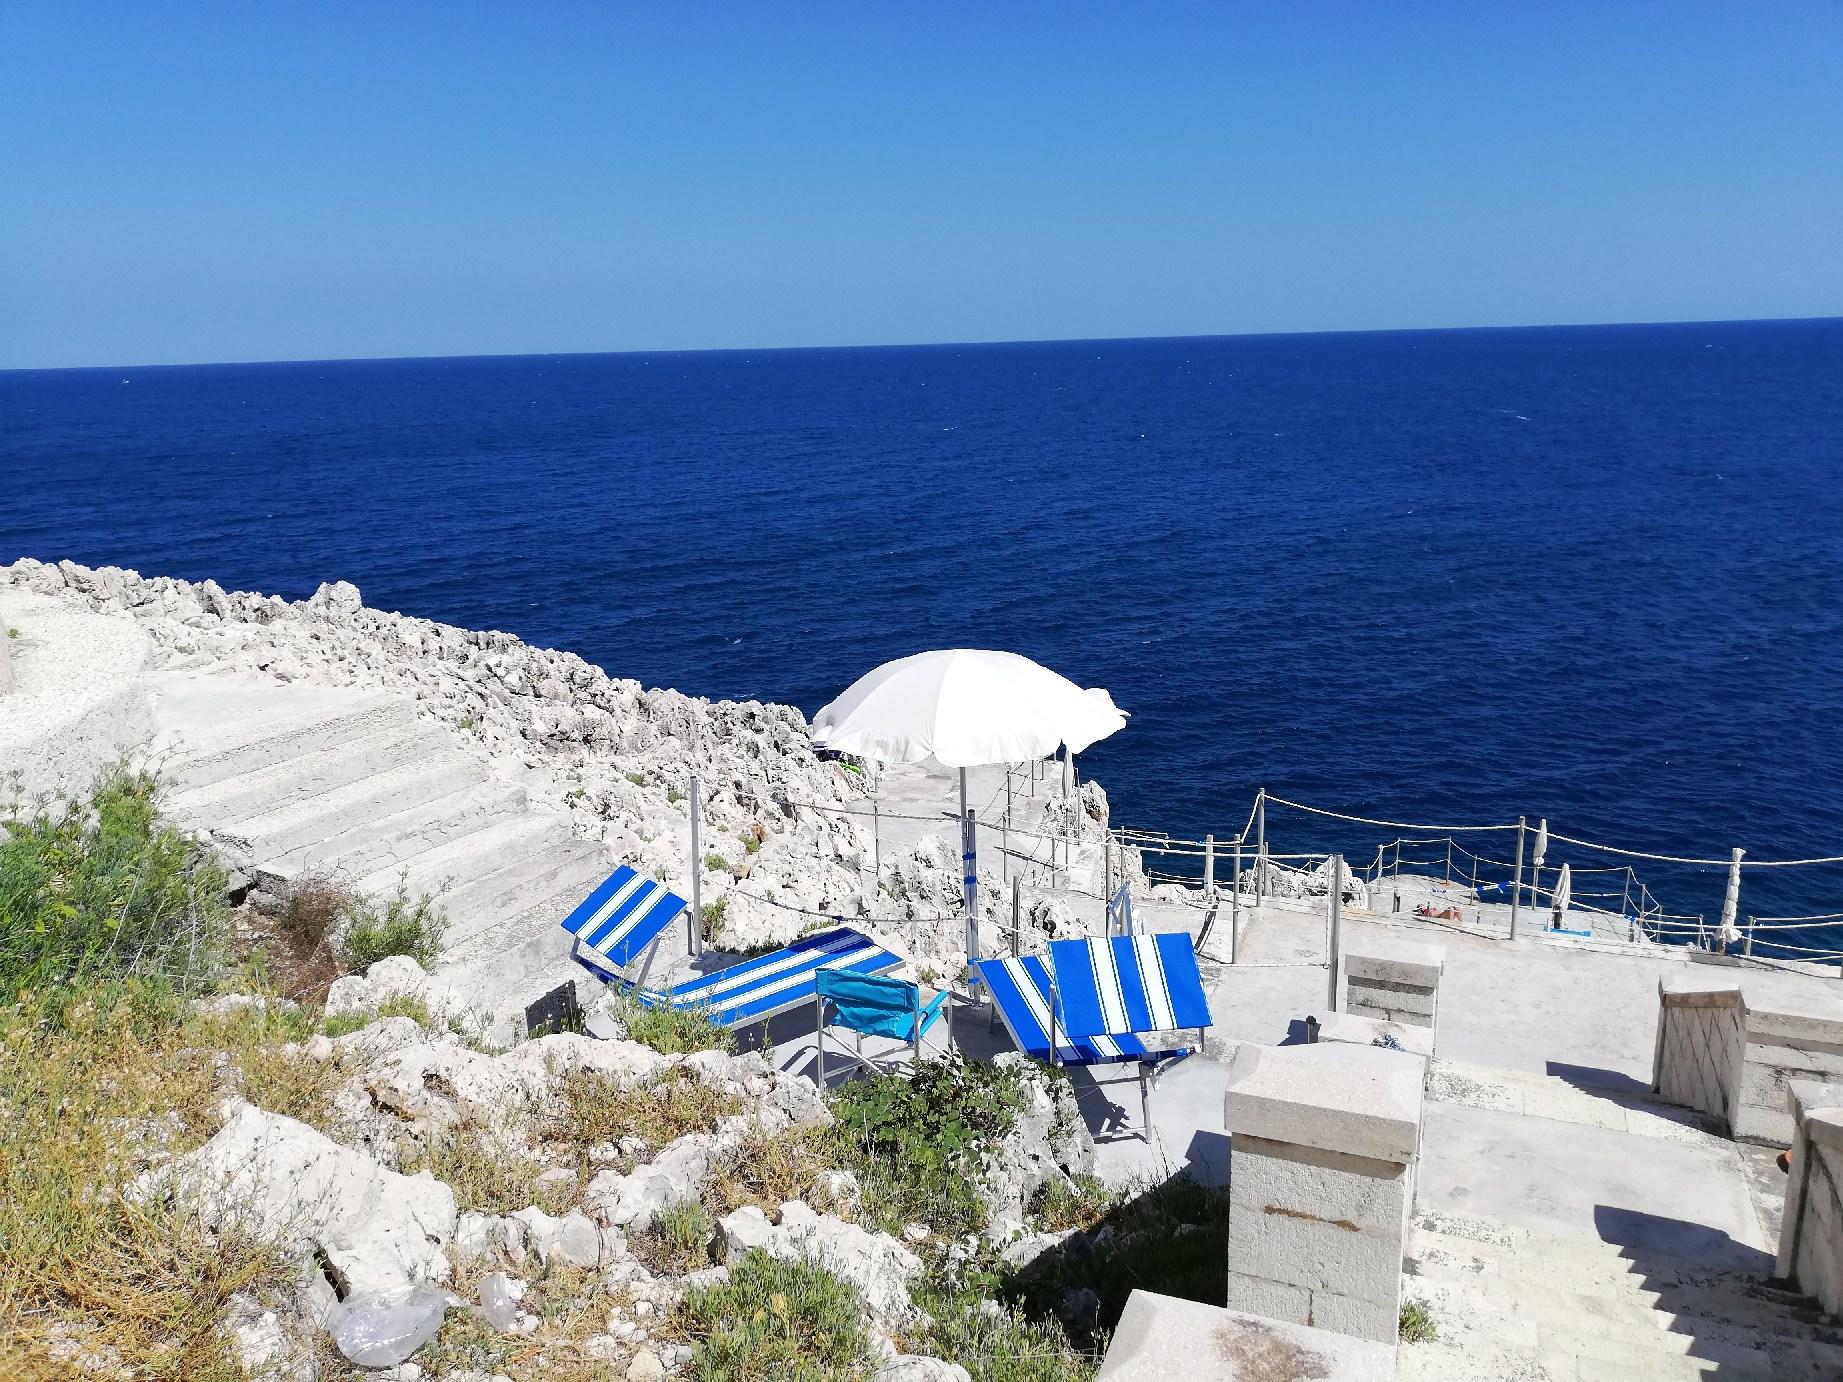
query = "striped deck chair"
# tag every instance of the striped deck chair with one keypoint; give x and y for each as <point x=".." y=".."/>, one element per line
<point x="758" y="989"/>
<point x="621" y="921"/>
<point x="1024" y="998"/>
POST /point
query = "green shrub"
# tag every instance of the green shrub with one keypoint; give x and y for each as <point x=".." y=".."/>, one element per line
<point x="1171" y="1238"/>
<point x="711" y="915"/>
<point x="790" y="1321"/>
<point x="638" y="779"/>
<point x="716" y="863"/>
<point x="99" y="889"/>
<point x="1417" y="1326"/>
<point x="678" y="1239"/>
<point x="672" y="1031"/>
<point x="1007" y="1346"/>
<point x="1061" y="1204"/>
<point x="916" y="1141"/>
<point x="397" y="925"/>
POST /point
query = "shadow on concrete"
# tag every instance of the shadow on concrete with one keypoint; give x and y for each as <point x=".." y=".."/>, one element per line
<point x="1702" y="1279"/>
<point x="1593" y="1080"/>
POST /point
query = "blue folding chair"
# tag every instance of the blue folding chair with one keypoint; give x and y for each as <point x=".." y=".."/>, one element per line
<point x="870" y="1005"/>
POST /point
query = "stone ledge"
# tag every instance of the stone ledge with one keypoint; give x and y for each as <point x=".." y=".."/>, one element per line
<point x="1362" y="1101"/>
<point x="1163" y="1339"/>
<point x="1401" y="963"/>
<point x="1353" y="1029"/>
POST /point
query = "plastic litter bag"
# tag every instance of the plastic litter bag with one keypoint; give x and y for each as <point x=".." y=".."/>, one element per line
<point x="375" y="1332"/>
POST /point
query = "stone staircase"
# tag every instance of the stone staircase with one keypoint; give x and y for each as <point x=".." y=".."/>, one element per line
<point x="295" y="781"/>
<point x="1513" y="1304"/>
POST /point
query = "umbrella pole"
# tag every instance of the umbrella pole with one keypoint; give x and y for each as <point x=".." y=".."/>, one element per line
<point x="969" y="867"/>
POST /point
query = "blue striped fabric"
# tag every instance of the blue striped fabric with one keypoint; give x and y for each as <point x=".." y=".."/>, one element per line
<point x="1021" y="989"/>
<point x="768" y="984"/>
<point x="624" y="915"/>
<point x="1129" y="984"/>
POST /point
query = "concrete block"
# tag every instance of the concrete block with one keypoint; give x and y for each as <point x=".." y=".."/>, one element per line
<point x="1336" y="1097"/>
<point x="1417" y="965"/>
<point x="1161" y="1339"/>
<point x="1363" y="1319"/>
<point x="1321" y="1221"/>
<point x="1376" y="993"/>
<point x="1273" y="1300"/>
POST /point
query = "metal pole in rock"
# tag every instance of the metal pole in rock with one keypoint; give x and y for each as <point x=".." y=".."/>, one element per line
<point x="1260" y="845"/>
<point x="1516" y="887"/>
<point x="1107" y="878"/>
<point x="1004" y="832"/>
<point x="876" y="843"/>
<point x="1335" y="943"/>
<point x="1017" y="908"/>
<point x="969" y="882"/>
<point x="694" y="934"/>
<point x="1234" y="899"/>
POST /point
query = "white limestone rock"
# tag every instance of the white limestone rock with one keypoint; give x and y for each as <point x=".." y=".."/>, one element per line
<point x="379" y="1231"/>
<point x="879" y="1267"/>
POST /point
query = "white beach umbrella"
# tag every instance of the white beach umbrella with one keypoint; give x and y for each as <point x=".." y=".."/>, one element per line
<point x="1564" y="887"/>
<point x="962" y="708"/>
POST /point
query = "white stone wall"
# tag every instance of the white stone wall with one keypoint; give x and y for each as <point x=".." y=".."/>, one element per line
<point x="1781" y="1048"/>
<point x="1699" y="1049"/>
<point x="1324" y="1231"/>
<point x="1734" y="1061"/>
<point x="1400" y="985"/>
<point x="1324" y="1146"/>
<point x="1811" y="1232"/>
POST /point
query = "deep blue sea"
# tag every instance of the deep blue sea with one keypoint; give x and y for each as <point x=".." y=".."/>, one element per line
<point x="1593" y="574"/>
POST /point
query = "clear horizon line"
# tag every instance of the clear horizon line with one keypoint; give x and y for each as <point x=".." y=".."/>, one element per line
<point x="914" y="345"/>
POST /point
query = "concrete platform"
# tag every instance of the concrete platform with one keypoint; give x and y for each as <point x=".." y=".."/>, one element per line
<point x="1162" y="1339"/>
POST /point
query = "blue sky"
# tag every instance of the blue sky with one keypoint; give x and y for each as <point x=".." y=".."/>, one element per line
<point x="264" y="181"/>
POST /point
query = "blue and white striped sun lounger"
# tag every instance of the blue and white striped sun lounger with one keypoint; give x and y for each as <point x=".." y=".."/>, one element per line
<point x="1122" y="984"/>
<point x="1024" y="996"/>
<point x="766" y="986"/>
<point x="618" y="922"/>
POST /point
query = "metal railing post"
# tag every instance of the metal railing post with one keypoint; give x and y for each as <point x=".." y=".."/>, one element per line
<point x="1260" y="845"/>
<point x="1209" y="867"/>
<point x="1016" y="914"/>
<point x="1747" y="946"/>
<point x="1516" y="887"/>
<point x="694" y="933"/>
<point x="876" y="844"/>
<point x="1334" y="942"/>
<point x="1235" y="899"/>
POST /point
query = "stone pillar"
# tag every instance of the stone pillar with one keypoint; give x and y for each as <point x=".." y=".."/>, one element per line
<point x="1400" y="984"/>
<point x="1811" y="1232"/>
<point x="1324" y="1145"/>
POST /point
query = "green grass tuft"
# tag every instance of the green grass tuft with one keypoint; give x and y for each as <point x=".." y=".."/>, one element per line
<point x="790" y="1321"/>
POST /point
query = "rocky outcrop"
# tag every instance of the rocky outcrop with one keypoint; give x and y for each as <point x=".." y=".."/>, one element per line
<point x="879" y="1267"/>
<point x="1049" y="1142"/>
<point x="378" y="1232"/>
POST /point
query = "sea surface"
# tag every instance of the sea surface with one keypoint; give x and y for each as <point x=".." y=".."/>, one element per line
<point x="1589" y="574"/>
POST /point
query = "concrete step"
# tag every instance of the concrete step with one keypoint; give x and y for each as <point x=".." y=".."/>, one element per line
<point x="311" y="824"/>
<point x="459" y="861"/>
<point x="391" y="840"/>
<point x="250" y="741"/>
<point x="301" y="776"/>
<point x="517" y="952"/>
<point x="1686" y="1290"/>
<point x="568" y="864"/>
<point x="1610" y="1325"/>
